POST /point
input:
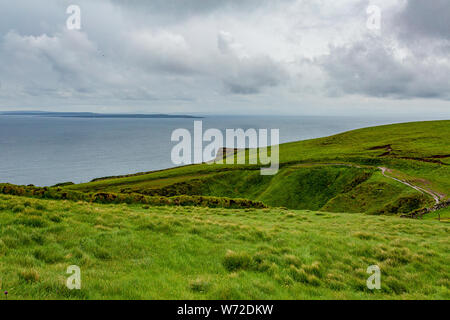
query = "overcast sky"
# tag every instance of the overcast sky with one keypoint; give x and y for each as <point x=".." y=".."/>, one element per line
<point x="227" y="56"/>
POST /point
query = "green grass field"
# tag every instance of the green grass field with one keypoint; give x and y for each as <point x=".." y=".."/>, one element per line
<point x="132" y="252"/>
<point x="331" y="213"/>
<point x="443" y="214"/>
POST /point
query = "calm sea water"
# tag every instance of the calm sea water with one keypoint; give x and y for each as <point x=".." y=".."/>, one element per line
<point x="45" y="151"/>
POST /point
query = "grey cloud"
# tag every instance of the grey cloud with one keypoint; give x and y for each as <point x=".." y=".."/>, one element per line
<point x="161" y="51"/>
<point x="251" y="76"/>
<point x="409" y="59"/>
<point x="49" y="63"/>
<point x="373" y="68"/>
<point x="243" y="73"/>
<point x="176" y="9"/>
<point x="425" y="19"/>
<point x="30" y="17"/>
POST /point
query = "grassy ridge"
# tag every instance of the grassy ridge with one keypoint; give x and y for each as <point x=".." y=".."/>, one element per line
<point x="132" y="252"/>
<point x="415" y="152"/>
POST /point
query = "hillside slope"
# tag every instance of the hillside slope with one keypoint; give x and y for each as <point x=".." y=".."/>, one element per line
<point x="338" y="173"/>
<point x="140" y="252"/>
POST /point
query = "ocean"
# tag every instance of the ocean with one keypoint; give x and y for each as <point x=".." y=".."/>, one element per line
<point x="47" y="150"/>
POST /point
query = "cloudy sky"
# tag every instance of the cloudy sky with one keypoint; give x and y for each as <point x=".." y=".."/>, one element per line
<point x="227" y="56"/>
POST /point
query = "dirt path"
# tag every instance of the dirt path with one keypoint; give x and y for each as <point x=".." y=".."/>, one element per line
<point x="435" y="197"/>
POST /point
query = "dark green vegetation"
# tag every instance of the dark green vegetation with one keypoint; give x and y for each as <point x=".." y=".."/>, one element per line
<point x="106" y="197"/>
<point x="338" y="173"/>
<point x="138" y="252"/>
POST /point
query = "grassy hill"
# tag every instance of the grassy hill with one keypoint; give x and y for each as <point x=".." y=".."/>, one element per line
<point x="338" y="173"/>
<point x="226" y="232"/>
<point x="138" y="252"/>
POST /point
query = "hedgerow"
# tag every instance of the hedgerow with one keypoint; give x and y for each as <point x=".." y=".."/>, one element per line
<point x="130" y="198"/>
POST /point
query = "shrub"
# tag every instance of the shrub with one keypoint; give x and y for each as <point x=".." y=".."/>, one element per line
<point x="130" y="198"/>
<point x="405" y="205"/>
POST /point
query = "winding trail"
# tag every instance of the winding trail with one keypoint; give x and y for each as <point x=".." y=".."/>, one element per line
<point x="422" y="190"/>
<point x="436" y="198"/>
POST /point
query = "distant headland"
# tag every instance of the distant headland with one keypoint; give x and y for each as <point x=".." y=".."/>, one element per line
<point x="94" y="115"/>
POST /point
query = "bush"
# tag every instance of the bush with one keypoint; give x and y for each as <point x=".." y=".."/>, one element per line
<point x="404" y="205"/>
<point x="130" y="198"/>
